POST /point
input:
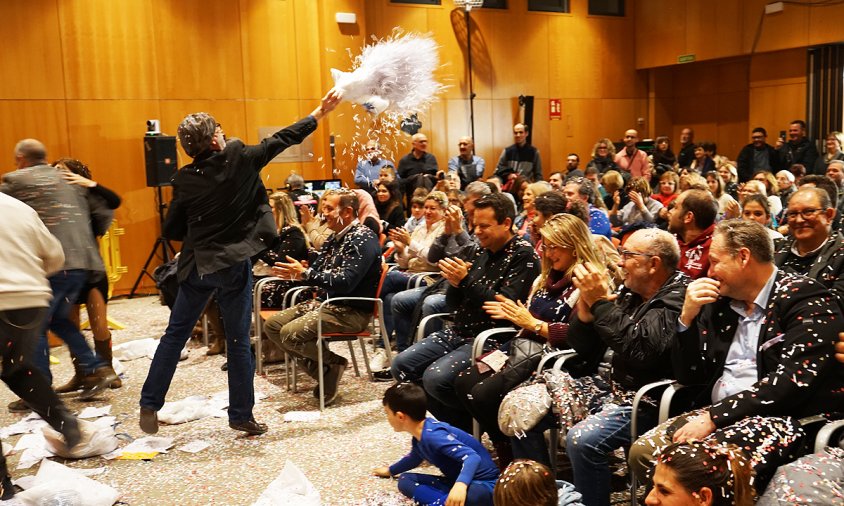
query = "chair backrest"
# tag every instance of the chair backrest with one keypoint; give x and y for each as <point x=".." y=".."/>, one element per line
<point x="384" y="269"/>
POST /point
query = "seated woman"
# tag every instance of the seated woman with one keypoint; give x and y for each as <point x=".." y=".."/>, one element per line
<point x="412" y="257"/>
<point x="772" y="189"/>
<point x="315" y="229"/>
<point x="388" y="203"/>
<point x="566" y="242"/>
<point x="668" y="191"/>
<point x="701" y="473"/>
<point x="755" y="207"/>
<point x="729" y="174"/>
<point x="727" y="205"/>
<point x="524" y="219"/>
<point x="640" y="208"/>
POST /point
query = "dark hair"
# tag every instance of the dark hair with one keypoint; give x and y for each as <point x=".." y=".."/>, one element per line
<point x="574" y="155"/>
<point x="74" y="166"/>
<point x="703" y="205"/>
<point x="591" y="170"/>
<point x="516" y="186"/>
<point x="759" y="199"/>
<point x="724" y="469"/>
<point x="798" y="122"/>
<point x="659" y="140"/>
<point x="798" y="169"/>
<point x="738" y="233"/>
<point x="348" y="199"/>
<point x="824" y="183"/>
<point x="499" y="203"/>
<point x="709" y="146"/>
<point x="580" y="209"/>
<point x="395" y="198"/>
<point x="408" y="398"/>
<point x="550" y="203"/>
<point x="759" y="130"/>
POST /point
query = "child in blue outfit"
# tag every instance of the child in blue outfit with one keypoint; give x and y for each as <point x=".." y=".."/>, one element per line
<point x="469" y="474"/>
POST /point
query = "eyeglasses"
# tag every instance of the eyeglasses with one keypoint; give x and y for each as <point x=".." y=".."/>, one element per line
<point x="626" y="254"/>
<point x="550" y="247"/>
<point x="806" y="214"/>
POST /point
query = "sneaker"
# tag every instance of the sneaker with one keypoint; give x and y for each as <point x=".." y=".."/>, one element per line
<point x="19" y="406"/>
<point x="250" y="427"/>
<point x="148" y="420"/>
<point x="378" y="360"/>
<point x="385" y="375"/>
<point x="184" y="354"/>
<point x="332" y="382"/>
<point x="96" y="382"/>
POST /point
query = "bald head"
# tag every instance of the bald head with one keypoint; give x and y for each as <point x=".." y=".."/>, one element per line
<point x="29" y="152"/>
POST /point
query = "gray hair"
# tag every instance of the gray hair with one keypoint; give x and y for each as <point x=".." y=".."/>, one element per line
<point x="836" y="162"/>
<point x="31" y="150"/>
<point x="295" y="181"/>
<point x="738" y="233"/>
<point x="196" y="132"/>
<point x="822" y="195"/>
<point x="663" y="245"/>
<point x="477" y="189"/>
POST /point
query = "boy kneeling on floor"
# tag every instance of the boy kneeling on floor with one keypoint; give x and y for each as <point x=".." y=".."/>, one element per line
<point x="469" y="474"/>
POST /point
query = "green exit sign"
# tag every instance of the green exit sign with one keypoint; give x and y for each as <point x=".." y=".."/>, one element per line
<point x="685" y="58"/>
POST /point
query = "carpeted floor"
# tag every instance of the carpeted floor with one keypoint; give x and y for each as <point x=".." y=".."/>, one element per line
<point x="336" y="453"/>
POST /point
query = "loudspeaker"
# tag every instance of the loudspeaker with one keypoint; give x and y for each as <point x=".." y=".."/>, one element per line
<point x="160" y="158"/>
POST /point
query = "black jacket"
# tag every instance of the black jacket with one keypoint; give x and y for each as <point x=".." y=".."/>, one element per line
<point x="804" y="152"/>
<point x="744" y="162"/>
<point x="686" y="156"/>
<point x="639" y="333"/>
<point x="796" y="370"/>
<point x="219" y="199"/>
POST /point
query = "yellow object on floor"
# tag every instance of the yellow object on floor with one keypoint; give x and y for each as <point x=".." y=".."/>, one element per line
<point x="54" y="360"/>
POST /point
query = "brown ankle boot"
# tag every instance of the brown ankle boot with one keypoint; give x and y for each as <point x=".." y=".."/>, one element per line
<point x="75" y="382"/>
<point x="103" y="349"/>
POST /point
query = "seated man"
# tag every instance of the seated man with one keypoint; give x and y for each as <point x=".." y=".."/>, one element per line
<point x="815" y="249"/>
<point x="637" y="325"/>
<point x="348" y="264"/>
<point x="506" y="265"/>
<point x="761" y="340"/>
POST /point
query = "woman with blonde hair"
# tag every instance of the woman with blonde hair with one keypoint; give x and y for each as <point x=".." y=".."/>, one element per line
<point x="772" y="190"/>
<point x="603" y="156"/>
<point x="613" y="182"/>
<point x="315" y="229"/>
<point x="727" y="205"/>
<point x="529" y="483"/>
<point x="833" y="147"/>
<point x="542" y="322"/>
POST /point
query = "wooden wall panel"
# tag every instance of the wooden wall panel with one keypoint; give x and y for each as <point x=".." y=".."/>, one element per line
<point x="45" y="120"/>
<point x="777" y="89"/>
<point x="109" y="49"/>
<point x="31" y="64"/>
<point x="270" y="49"/>
<point x="200" y="52"/>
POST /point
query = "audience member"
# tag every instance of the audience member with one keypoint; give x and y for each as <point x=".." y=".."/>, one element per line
<point x="506" y="265"/>
<point x="687" y="148"/>
<point x="832" y="151"/>
<point x="468" y="472"/>
<point x="348" y="265"/>
<point x="368" y="169"/>
<point x="756" y="208"/>
<point x="573" y="166"/>
<point x="524" y="219"/>
<point x="728" y="207"/>
<point x="594" y="177"/>
<point x="519" y="159"/>
<point x="757" y="390"/>
<point x="529" y="483"/>
<point x="730" y="177"/>
<point x="584" y="191"/>
<point x="692" y="220"/>
<point x="64" y="210"/>
<point x="316" y="230"/>
<point x="603" y="156"/>
<point x="799" y="149"/>
<point x="813" y="249"/>
<point x="631" y="159"/>
<point x="518" y="185"/>
<point x="703" y="162"/>
<point x="667" y="193"/>
<point x="785" y="182"/>
<point x="771" y="190"/>
<point x="417" y="210"/>
<point x="468" y="166"/>
<point x="417" y="168"/>
<point x="756" y="156"/>
<point x="556" y="181"/>
<point x="662" y="154"/>
<point x="641" y="206"/>
<point x="835" y="171"/>
<point x="388" y="203"/>
<point x="697" y="472"/>
<point x="613" y="182"/>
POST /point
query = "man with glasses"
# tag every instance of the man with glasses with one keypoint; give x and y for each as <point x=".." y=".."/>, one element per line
<point x="756" y="156"/>
<point x="216" y="212"/>
<point x="369" y="167"/>
<point x="691" y="217"/>
<point x="814" y="249"/>
<point x="631" y="159"/>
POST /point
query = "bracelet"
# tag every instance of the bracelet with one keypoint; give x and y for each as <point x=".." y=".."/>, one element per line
<point x="538" y="327"/>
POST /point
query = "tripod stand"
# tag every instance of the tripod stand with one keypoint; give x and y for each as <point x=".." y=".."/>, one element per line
<point x="167" y="251"/>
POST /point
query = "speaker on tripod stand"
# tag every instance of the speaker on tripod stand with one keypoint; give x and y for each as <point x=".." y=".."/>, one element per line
<point x="161" y="163"/>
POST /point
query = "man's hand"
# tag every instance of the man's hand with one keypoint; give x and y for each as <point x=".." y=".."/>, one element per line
<point x="329" y="102"/>
<point x="292" y="269"/>
<point x="76" y="179"/>
<point x="839" y="348"/>
<point x="381" y="472"/>
<point x="457" y="496"/>
<point x="700" y="292"/>
<point x="593" y="285"/>
<point x="454" y="270"/>
<point x="503" y="308"/>
<point x="695" y="429"/>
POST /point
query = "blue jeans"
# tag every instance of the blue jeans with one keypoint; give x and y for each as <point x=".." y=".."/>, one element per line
<point x="66" y="286"/>
<point x="589" y="443"/>
<point x="402" y="307"/>
<point x="430" y="489"/>
<point x="234" y="295"/>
